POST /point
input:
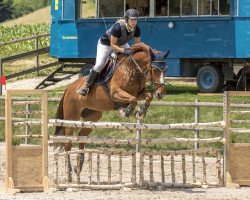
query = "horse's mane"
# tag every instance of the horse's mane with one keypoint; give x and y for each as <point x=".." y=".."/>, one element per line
<point x="140" y="47"/>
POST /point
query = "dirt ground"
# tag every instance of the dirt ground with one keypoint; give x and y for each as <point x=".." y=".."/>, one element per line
<point x="173" y="193"/>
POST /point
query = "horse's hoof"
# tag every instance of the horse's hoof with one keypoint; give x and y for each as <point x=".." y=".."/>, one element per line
<point x="139" y="115"/>
<point x="128" y="111"/>
<point x="121" y="112"/>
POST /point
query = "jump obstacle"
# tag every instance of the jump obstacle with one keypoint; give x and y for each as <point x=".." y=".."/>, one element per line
<point x="232" y="176"/>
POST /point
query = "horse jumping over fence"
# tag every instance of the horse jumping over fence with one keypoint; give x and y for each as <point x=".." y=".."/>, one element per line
<point x="125" y="88"/>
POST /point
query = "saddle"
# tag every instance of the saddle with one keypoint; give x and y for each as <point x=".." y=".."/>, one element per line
<point x="108" y="70"/>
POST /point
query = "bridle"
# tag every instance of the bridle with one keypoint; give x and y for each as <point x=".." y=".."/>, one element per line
<point x="156" y="84"/>
<point x="157" y="64"/>
<point x="154" y="64"/>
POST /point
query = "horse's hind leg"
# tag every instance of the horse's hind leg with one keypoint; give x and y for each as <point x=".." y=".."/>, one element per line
<point x="69" y="132"/>
<point x="67" y="147"/>
<point x="87" y="115"/>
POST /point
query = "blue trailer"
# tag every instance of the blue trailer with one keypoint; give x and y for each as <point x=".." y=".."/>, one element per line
<point x="208" y="39"/>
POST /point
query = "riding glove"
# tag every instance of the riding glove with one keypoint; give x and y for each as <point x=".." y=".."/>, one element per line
<point x="128" y="52"/>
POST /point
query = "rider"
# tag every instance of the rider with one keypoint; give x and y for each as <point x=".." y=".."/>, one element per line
<point x="116" y="38"/>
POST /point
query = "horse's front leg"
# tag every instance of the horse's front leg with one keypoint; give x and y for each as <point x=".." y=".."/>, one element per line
<point x="123" y="97"/>
<point x="144" y="94"/>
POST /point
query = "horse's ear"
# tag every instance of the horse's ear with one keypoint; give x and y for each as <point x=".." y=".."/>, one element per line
<point x="165" y="55"/>
<point x="152" y="55"/>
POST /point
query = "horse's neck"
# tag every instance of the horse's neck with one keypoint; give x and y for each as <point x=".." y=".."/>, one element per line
<point x="142" y="60"/>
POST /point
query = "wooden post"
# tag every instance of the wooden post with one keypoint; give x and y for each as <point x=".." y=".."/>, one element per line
<point x="197" y="120"/>
<point x="27" y="127"/>
<point x="120" y="167"/>
<point x="98" y="168"/>
<point x="90" y="168"/>
<point x="204" y="169"/>
<point x="37" y="56"/>
<point x="109" y="168"/>
<point x="1" y="74"/>
<point x="183" y="161"/>
<point x="133" y="179"/>
<point x="162" y="170"/>
<point x="138" y="136"/>
<point x="8" y="137"/>
<point x="78" y="167"/>
<point x="151" y="168"/>
<point x="226" y="108"/>
<point x="141" y="182"/>
<point x="67" y="172"/>
<point x="172" y="169"/>
<point x="193" y="162"/>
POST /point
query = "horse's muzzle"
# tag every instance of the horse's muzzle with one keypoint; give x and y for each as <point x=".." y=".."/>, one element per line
<point x="160" y="92"/>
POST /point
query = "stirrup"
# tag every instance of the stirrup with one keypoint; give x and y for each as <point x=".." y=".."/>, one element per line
<point x="84" y="91"/>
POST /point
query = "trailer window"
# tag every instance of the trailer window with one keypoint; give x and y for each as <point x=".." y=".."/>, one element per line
<point x="141" y="5"/>
<point x="176" y="8"/>
<point x="214" y="7"/>
<point x="163" y="8"/>
<point x="87" y="8"/>
<point x="111" y="8"/>
<point x="189" y="7"/>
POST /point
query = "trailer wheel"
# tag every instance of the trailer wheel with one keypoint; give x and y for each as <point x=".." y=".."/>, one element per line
<point x="210" y="79"/>
<point x="85" y="70"/>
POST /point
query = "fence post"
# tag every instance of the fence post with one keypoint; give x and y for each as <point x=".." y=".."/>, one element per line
<point x="27" y="127"/>
<point x="37" y="56"/>
<point x="138" y="133"/>
<point x="1" y="74"/>
<point x="197" y="120"/>
<point x="138" y="136"/>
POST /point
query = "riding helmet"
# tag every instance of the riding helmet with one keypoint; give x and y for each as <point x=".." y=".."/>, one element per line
<point x="131" y="13"/>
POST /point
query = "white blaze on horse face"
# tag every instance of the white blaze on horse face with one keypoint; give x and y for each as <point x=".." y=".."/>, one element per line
<point x="162" y="78"/>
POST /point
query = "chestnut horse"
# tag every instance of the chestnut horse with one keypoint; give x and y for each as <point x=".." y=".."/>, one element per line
<point x="125" y="88"/>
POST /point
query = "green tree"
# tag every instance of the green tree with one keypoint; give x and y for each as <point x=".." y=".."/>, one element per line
<point x="5" y="10"/>
<point x="23" y="7"/>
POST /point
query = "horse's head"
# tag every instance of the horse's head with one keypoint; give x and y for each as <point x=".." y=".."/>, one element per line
<point x="152" y="63"/>
<point x="158" y="67"/>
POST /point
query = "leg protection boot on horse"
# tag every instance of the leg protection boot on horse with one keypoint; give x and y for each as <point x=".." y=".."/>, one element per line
<point x="91" y="79"/>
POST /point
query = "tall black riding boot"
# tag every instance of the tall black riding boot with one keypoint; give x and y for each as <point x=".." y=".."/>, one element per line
<point x="91" y="79"/>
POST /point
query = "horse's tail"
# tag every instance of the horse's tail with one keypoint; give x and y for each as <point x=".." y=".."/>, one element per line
<point x="59" y="115"/>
